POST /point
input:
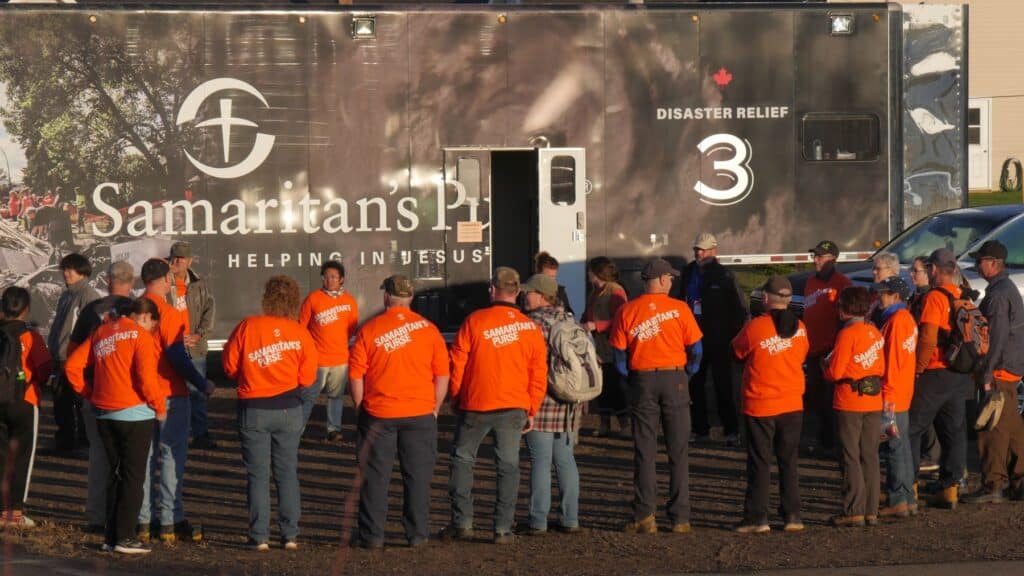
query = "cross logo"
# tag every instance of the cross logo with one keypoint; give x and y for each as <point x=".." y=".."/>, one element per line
<point x="261" y="147"/>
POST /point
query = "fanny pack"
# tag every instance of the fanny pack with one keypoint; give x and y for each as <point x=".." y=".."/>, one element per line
<point x="869" y="386"/>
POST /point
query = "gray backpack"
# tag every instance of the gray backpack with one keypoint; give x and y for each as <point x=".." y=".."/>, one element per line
<point x="574" y="373"/>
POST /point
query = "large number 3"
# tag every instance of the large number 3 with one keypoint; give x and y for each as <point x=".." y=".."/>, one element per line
<point x="735" y="169"/>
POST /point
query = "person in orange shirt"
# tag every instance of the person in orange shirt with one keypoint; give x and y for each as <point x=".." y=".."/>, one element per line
<point x="19" y="404"/>
<point x="900" y="333"/>
<point x="499" y="378"/>
<point x="125" y="398"/>
<point x="773" y="347"/>
<point x="273" y="359"/>
<point x="399" y="379"/>
<point x="170" y="442"/>
<point x="940" y="394"/>
<point x="855" y="367"/>
<point x="331" y="316"/>
<point x="661" y="338"/>
<point x="821" y="293"/>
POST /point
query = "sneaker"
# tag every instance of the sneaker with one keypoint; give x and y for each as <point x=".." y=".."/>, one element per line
<point x="646" y="526"/>
<point x="793" y="524"/>
<point x="259" y="546"/>
<point x="453" y="533"/>
<point x="290" y="545"/>
<point x="732" y="441"/>
<point x="531" y="531"/>
<point x="17" y="520"/>
<point x="203" y="442"/>
<point x="567" y="529"/>
<point x="358" y="542"/>
<point x="681" y="528"/>
<point x="763" y="528"/>
<point x="986" y="496"/>
<point x="131" y="547"/>
<point x="333" y="437"/>
<point x="848" y="521"/>
<point x="928" y="466"/>
<point x="504" y="538"/>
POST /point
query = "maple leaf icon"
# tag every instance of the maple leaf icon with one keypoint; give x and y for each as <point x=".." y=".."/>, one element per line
<point x="722" y="77"/>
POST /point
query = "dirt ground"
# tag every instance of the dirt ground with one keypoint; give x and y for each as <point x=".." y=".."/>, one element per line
<point x="215" y="497"/>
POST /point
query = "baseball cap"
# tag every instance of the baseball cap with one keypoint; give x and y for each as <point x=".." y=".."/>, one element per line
<point x="155" y="269"/>
<point x="705" y="241"/>
<point x="895" y="284"/>
<point x="543" y="284"/>
<point x="181" y="250"/>
<point x="942" y="256"/>
<point x="779" y="286"/>
<point x="505" y="279"/>
<point x="397" y="285"/>
<point x="990" y="249"/>
<point x="825" y="247"/>
<point x="657" y="268"/>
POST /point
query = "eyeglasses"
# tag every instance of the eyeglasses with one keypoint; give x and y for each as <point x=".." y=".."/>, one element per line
<point x="916" y="271"/>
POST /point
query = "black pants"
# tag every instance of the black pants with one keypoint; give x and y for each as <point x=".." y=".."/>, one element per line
<point x="19" y="423"/>
<point x="415" y="439"/>
<point x="612" y="401"/>
<point x="67" y="413"/>
<point x="717" y="360"/>
<point x="127" y="447"/>
<point x="819" y="417"/>
<point x="939" y="399"/>
<point x="654" y="396"/>
<point x="779" y="436"/>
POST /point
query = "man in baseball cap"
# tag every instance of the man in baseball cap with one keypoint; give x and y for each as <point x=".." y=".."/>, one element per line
<point x="398" y="286"/>
<point x="656" y="268"/>
<point x="825" y="247"/>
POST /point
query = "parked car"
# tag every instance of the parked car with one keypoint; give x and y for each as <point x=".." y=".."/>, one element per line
<point x="959" y="230"/>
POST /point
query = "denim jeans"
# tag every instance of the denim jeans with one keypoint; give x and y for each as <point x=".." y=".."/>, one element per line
<point x="899" y="475"/>
<point x="99" y="470"/>
<point x="332" y="380"/>
<point x="545" y="448"/>
<point x="270" y="441"/>
<point x="199" y="422"/>
<point x="471" y="429"/>
<point x="170" y="438"/>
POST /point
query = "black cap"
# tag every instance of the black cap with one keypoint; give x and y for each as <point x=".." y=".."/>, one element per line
<point x="825" y="247"/>
<point x="990" y="249"/>
<point x="657" y="268"/>
<point x="895" y="284"/>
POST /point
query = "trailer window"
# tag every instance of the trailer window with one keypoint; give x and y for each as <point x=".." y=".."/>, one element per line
<point x="467" y="172"/>
<point x="563" y="180"/>
<point x="840" y="137"/>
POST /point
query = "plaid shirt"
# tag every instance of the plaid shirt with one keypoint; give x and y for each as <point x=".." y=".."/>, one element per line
<point x="555" y="416"/>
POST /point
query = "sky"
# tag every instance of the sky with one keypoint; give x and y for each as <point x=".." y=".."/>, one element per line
<point x="15" y="155"/>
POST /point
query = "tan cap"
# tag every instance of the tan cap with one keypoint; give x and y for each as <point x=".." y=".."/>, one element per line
<point x="398" y="285"/>
<point x="505" y="279"/>
<point x="542" y="284"/>
<point x="705" y="241"/>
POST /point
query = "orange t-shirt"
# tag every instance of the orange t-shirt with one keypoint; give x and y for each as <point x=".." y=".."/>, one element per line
<point x="773" y="376"/>
<point x="397" y="355"/>
<point x="655" y="330"/>
<point x="172" y="329"/>
<point x="900" y="334"/>
<point x="821" y="310"/>
<point x="499" y="361"/>
<point x="330" y="321"/>
<point x="935" y="310"/>
<point x="268" y="356"/>
<point x="857" y="354"/>
<point x="124" y="358"/>
<point x="181" y="300"/>
<point x="36" y="363"/>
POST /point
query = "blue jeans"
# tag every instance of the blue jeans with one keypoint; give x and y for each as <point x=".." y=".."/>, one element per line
<point x="270" y="441"/>
<point x="170" y="438"/>
<point x="899" y="475"/>
<point x="199" y="423"/>
<point x="332" y="380"/>
<point x="545" y="448"/>
<point x="470" y="432"/>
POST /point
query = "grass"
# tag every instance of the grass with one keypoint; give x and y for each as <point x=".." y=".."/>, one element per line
<point x="993" y="198"/>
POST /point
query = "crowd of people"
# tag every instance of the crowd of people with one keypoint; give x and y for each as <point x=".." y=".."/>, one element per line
<point x="48" y="216"/>
<point x="865" y="369"/>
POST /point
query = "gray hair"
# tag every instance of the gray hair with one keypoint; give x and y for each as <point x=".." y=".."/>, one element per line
<point x="121" y="272"/>
<point x="888" y="260"/>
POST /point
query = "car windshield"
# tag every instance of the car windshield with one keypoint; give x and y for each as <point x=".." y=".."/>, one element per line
<point x="957" y="232"/>
<point x="1012" y="236"/>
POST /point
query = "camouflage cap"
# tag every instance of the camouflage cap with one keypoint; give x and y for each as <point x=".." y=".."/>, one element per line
<point x="505" y="279"/>
<point x="398" y="285"/>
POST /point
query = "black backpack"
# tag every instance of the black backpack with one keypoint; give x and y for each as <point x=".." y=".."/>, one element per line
<point x="12" y="374"/>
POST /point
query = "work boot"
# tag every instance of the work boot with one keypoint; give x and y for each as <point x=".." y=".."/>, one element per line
<point x="793" y="524"/>
<point x="453" y="533"/>
<point x="681" y="528"/>
<point x="848" y="521"/>
<point x="757" y="528"/>
<point x="913" y="489"/>
<point x="947" y="498"/>
<point x="986" y="495"/>
<point x="646" y="526"/>
<point x="901" y="510"/>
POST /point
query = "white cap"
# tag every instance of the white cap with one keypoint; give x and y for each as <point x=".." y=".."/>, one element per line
<point x="705" y="241"/>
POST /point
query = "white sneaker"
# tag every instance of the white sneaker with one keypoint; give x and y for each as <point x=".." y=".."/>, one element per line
<point x="131" y="547"/>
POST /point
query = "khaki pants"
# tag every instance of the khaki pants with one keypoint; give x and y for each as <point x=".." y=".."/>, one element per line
<point x="858" y="461"/>
<point x="1002" y="448"/>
